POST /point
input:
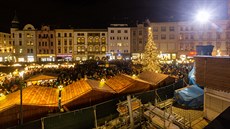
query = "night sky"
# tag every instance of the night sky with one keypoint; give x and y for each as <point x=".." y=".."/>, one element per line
<point x="100" y="13"/>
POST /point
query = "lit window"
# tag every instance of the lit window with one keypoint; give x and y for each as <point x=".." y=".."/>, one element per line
<point x="96" y="48"/>
<point x="96" y="39"/>
<point x="20" y="51"/>
<point x="119" y="44"/>
<point x="90" y="48"/>
<point x="83" y="49"/>
<point x="78" y="40"/>
<point x="90" y="39"/>
<point x="83" y="40"/>
<point x="103" y="48"/>
<point x="78" y="48"/>
<point x="103" y="40"/>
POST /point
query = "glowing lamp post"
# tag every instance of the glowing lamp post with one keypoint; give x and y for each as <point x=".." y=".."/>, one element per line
<point x="59" y="96"/>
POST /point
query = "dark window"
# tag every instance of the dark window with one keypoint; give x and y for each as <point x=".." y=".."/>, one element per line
<point x="70" y="34"/>
<point x="20" y="43"/>
<point x="20" y="35"/>
<point x="51" y="43"/>
<point x="59" y="34"/>
<point x="51" y="35"/>
<point x="65" y="34"/>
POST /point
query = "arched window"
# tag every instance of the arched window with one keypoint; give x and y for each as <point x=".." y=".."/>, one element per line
<point x="103" y="48"/>
<point x="96" y="48"/>
<point x="90" y="48"/>
<point x="83" y="40"/>
<point x="96" y="39"/>
<point x="90" y="39"/>
<point x="103" y="40"/>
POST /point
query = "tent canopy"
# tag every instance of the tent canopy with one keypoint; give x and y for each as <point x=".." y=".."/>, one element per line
<point x="190" y="96"/>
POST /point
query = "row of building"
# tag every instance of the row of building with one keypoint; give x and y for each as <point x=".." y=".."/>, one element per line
<point x="118" y="41"/>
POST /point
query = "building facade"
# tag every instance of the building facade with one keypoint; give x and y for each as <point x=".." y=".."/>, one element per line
<point x="46" y="45"/>
<point x="90" y="44"/>
<point x="64" y="44"/>
<point x="119" y="41"/>
<point x="24" y="43"/>
<point x="6" y="47"/>
<point x="165" y="37"/>
<point x="139" y="37"/>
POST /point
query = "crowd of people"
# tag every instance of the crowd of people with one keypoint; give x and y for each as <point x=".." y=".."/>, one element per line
<point x="90" y="69"/>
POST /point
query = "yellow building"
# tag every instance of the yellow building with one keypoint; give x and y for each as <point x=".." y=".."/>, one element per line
<point x="6" y="47"/>
<point x="90" y="44"/>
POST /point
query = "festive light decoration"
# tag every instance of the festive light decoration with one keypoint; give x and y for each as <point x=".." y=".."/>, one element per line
<point x="150" y="60"/>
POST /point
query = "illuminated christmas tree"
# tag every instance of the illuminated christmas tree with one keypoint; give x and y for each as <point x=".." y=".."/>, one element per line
<point x="150" y="60"/>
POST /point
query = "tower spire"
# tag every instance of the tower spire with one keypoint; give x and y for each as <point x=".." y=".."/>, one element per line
<point x="15" y="22"/>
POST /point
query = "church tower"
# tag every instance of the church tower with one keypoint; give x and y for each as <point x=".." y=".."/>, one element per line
<point x="15" y="23"/>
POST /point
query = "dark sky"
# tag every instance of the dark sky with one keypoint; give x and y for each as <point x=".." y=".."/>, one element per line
<point x="99" y="13"/>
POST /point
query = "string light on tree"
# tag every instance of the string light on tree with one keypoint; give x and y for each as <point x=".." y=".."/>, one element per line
<point x="150" y="60"/>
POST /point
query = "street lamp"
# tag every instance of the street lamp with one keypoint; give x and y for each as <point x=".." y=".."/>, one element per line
<point x="21" y="74"/>
<point x="60" y="87"/>
<point x="203" y="16"/>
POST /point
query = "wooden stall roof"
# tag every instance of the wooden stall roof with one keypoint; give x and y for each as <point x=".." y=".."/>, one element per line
<point x="122" y="82"/>
<point x="100" y="86"/>
<point x="46" y="96"/>
<point x="152" y="77"/>
<point x="75" y="90"/>
<point x="41" y="77"/>
<point x="33" y="95"/>
<point x="119" y="83"/>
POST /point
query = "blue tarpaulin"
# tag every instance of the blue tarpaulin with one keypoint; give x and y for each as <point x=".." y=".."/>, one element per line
<point x="190" y="96"/>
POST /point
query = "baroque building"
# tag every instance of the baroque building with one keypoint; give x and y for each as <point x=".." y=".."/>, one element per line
<point x="90" y="44"/>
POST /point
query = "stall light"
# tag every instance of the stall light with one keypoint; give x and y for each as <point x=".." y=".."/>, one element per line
<point x="60" y="87"/>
